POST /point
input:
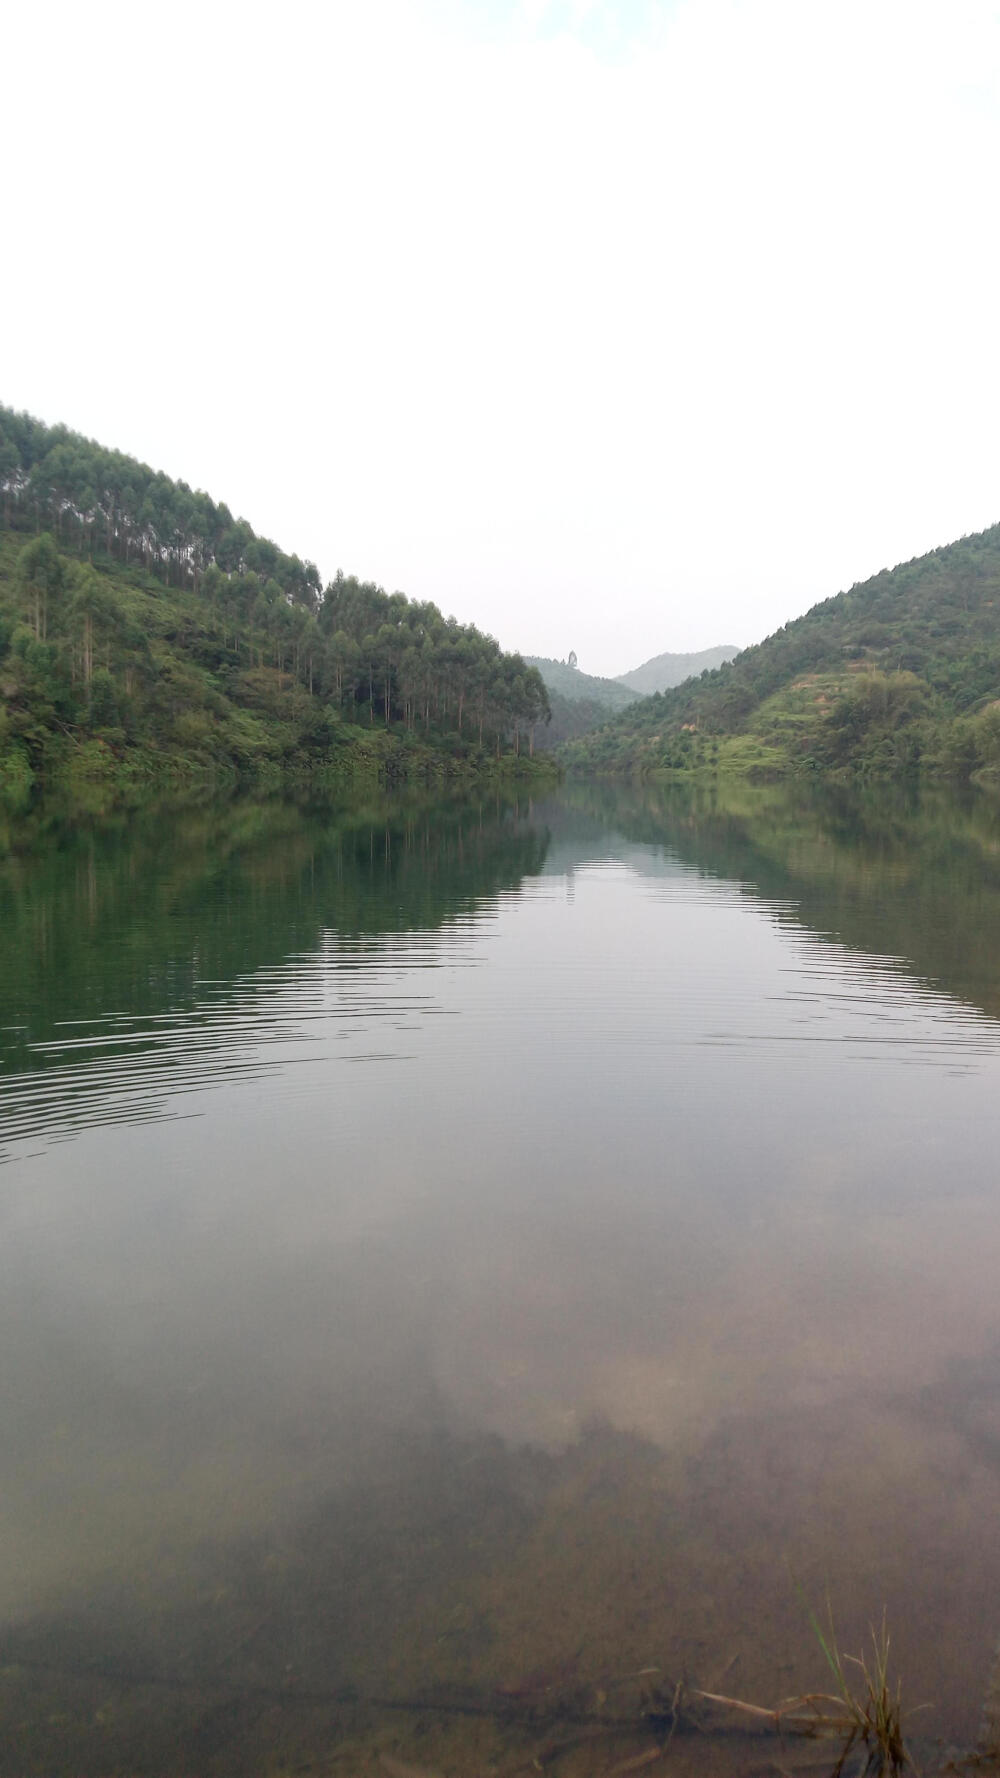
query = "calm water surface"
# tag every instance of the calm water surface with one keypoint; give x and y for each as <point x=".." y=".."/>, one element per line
<point x="466" y="1256"/>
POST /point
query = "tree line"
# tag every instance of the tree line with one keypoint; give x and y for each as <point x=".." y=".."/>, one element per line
<point x="93" y="498"/>
<point x="98" y="524"/>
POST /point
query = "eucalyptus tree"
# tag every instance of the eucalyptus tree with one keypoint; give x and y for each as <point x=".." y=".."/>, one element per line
<point x="40" y="577"/>
<point x="95" y="614"/>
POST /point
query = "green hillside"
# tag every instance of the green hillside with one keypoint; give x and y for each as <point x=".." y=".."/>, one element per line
<point x="146" y="633"/>
<point x="667" y="670"/>
<point x="901" y="674"/>
<point x="578" y="701"/>
<point x="568" y="682"/>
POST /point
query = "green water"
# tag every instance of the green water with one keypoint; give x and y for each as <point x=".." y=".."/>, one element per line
<point x="454" y="1259"/>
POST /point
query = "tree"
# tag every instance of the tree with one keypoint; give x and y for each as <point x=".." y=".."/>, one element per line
<point x="41" y="578"/>
<point x="96" y="615"/>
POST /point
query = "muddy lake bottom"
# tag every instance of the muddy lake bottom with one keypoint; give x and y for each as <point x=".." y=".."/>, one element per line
<point x="485" y="1611"/>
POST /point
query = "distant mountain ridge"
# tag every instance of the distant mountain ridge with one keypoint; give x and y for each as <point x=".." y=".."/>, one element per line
<point x="667" y="670"/>
<point x="581" y="702"/>
<point x="567" y="681"/>
<point x="578" y="701"/>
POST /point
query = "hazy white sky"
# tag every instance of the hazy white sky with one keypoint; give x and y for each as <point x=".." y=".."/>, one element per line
<point x="619" y="327"/>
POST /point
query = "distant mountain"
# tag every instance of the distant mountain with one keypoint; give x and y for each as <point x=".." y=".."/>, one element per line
<point x="666" y="670"/>
<point x="567" y="681"/>
<point x="578" y="701"/>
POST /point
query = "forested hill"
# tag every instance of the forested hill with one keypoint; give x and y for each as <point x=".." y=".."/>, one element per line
<point x="578" y="701"/>
<point x="667" y="670"/>
<point x="568" y="681"/>
<point x="898" y="674"/>
<point x="143" y="628"/>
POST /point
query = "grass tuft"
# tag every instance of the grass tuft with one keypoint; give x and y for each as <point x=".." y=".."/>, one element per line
<point x="873" y="1712"/>
<point x="862" y="1711"/>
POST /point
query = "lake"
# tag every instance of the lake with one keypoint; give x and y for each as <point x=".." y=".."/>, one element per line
<point x="467" y="1269"/>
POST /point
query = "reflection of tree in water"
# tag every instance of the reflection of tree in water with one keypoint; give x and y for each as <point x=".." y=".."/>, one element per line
<point x="154" y="957"/>
<point x="890" y="875"/>
<point x="131" y="913"/>
<point x="134" y="917"/>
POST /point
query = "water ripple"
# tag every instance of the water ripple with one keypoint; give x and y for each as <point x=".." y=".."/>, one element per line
<point x="115" y="1068"/>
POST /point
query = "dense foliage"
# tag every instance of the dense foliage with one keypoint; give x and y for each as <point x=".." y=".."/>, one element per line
<point x="900" y="673"/>
<point x="140" y="622"/>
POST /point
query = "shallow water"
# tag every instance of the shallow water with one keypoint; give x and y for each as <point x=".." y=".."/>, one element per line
<point x="457" y="1258"/>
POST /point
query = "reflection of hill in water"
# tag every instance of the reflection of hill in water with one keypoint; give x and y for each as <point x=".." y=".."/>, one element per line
<point x="138" y="954"/>
<point x="156" y="955"/>
<point x="919" y="882"/>
<point x="139" y="916"/>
